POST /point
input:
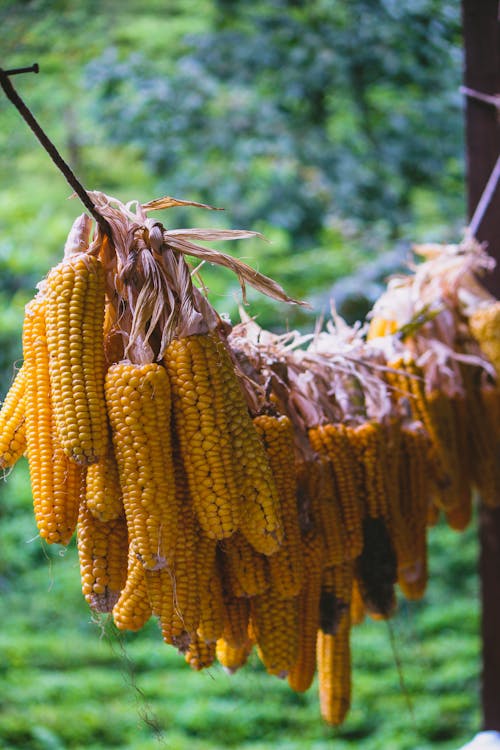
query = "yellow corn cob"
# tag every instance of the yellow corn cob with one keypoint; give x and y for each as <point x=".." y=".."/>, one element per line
<point x="484" y="325"/>
<point x="301" y="674"/>
<point x="133" y="608"/>
<point x="325" y="510"/>
<point x="211" y="624"/>
<point x="459" y="517"/>
<point x="275" y="625"/>
<point x="357" y="610"/>
<point x="433" y="514"/>
<point x="180" y="615"/>
<point x="484" y="439"/>
<point x="442" y="428"/>
<point x="200" y="654"/>
<point x="232" y="657"/>
<point x="410" y="519"/>
<point x="381" y="327"/>
<point x="334" y="671"/>
<point x="286" y="566"/>
<point x="75" y="317"/>
<point x="331" y="440"/>
<point x="104" y="494"/>
<point x="56" y="482"/>
<point x="12" y="426"/>
<point x="244" y="567"/>
<point x="336" y="592"/>
<point x="368" y="442"/>
<point x="235" y="625"/>
<point x="412" y="579"/>
<point x="103" y="552"/>
<point x="138" y="399"/>
<point x="203" y="430"/>
<point x="261" y="519"/>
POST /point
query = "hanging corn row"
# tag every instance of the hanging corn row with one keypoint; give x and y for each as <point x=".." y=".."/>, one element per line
<point x="247" y="489"/>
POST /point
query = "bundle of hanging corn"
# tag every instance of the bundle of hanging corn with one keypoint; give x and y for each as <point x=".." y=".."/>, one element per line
<point x="436" y="329"/>
<point x="248" y="489"/>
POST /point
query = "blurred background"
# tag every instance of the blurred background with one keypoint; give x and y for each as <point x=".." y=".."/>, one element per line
<point x="335" y="128"/>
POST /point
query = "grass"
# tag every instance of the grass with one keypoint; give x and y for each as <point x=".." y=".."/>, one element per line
<point x="71" y="683"/>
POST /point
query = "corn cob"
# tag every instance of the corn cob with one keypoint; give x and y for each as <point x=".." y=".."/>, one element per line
<point x="331" y="440"/>
<point x="334" y="670"/>
<point x="133" y="608"/>
<point x="261" y="519"/>
<point x="301" y="674"/>
<point x="232" y="657"/>
<point x="104" y="494"/>
<point x="184" y="572"/>
<point x="202" y="426"/>
<point x="244" y="567"/>
<point x="138" y="398"/>
<point x="56" y="482"/>
<point x="325" y="510"/>
<point x="12" y="422"/>
<point x="286" y="566"/>
<point x="357" y="610"/>
<point x="336" y="592"/>
<point x="235" y="624"/>
<point x="409" y="521"/>
<point x="103" y="552"/>
<point x="275" y="626"/>
<point x="412" y="579"/>
<point x="376" y="568"/>
<point x="484" y="440"/>
<point x="484" y="325"/>
<point x="200" y="654"/>
<point x="368" y="441"/>
<point x="381" y="327"/>
<point x="211" y="625"/>
<point x="75" y="317"/>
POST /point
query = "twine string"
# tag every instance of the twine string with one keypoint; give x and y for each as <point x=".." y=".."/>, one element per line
<point x="49" y="147"/>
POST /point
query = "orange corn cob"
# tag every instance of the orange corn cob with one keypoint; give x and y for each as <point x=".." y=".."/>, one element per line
<point x="334" y="670"/>
<point x="104" y="494"/>
<point x="211" y="624"/>
<point x="275" y="625"/>
<point x="301" y="674"/>
<point x="138" y="398"/>
<point x="236" y="613"/>
<point x="12" y="426"/>
<point x="103" y="553"/>
<point x="244" y="567"/>
<point x="56" y="482"/>
<point x="331" y="440"/>
<point x="484" y="325"/>
<point x="368" y="441"/>
<point x="200" y="654"/>
<point x="261" y="518"/>
<point x="202" y="426"/>
<point x="133" y="608"/>
<point x="336" y="592"/>
<point x="357" y="611"/>
<point x="286" y="566"/>
<point x="232" y="657"/>
<point x="180" y="615"/>
<point x="326" y="511"/>
<point x="75" y="318"/>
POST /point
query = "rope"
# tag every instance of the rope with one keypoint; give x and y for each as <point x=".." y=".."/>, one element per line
<point x="47" y="144"/>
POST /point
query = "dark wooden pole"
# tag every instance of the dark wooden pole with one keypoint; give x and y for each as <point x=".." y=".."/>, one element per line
<point x="481" y="26"/>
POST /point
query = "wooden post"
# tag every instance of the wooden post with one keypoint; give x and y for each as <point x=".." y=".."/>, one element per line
<point x="481" y="25"/>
